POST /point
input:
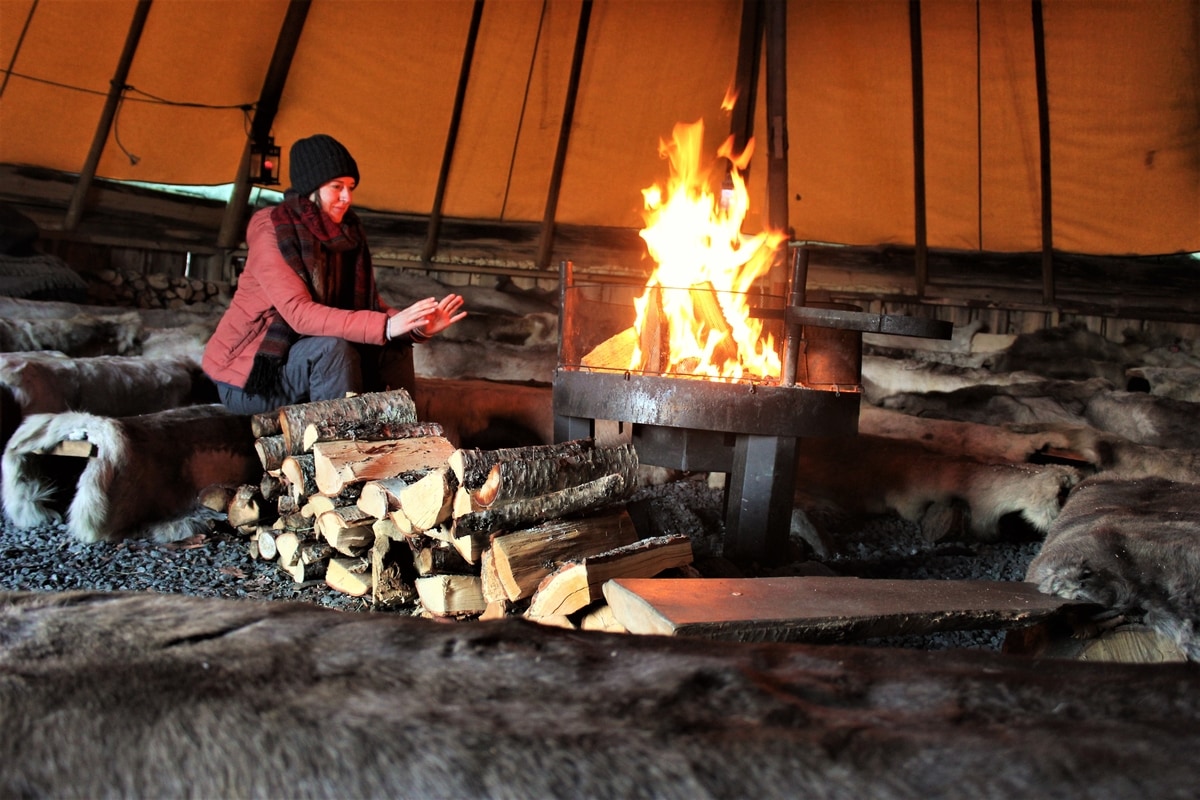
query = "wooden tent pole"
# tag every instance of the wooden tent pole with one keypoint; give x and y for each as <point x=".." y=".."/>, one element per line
<point x="546" y="239"/>
<point x="1039" y="60"/>
<point x="750" y="37"/>
<point x="264" y="117"/>
<point x="116" y="91"/>
<point x="920" y="234"/>
<point x="439" y="195"/>
<point x="777" y="145"/>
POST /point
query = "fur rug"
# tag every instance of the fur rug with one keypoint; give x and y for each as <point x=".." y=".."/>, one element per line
<point x="143" y="478"/>
<point x="1132" y="546"/>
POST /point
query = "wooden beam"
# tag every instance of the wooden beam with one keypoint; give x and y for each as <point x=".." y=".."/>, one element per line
<point x="546" y="239"/>
<point x="439" y="194"/>
<point x="777" y="144"/>
<point x="823" y="609"/>
<point x="116" y="91"/>
<point x="750" y="41"/>
<point x="920" y="235"/>
<point x="1043" y="101"/>
<point x="264" y="117"/>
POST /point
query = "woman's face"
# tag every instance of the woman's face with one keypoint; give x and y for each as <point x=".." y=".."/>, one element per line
<point x="336" y="197"/>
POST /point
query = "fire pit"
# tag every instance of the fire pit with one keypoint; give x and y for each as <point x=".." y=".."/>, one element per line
<point x="748" y="428"/>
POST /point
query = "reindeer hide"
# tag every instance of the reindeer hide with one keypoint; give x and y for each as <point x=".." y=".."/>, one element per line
<point x="143" y="478"/>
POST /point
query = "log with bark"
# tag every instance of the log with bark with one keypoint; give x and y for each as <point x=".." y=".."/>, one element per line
<point x="382" y="496"/>
<point x="522" y="478"/>
<point x="472" y="467"/>
<point x="272" y="450"/>
<point x="370" y="429"/>
<point x="523" y="513"/>
<point x="301" y="474"/>
<point x="393" y="407"/>
<point x="343" y="462"/>
<point x="247" y="507"/>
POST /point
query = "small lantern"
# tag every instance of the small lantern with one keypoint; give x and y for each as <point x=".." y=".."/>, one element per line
<point x="264" y="162"/>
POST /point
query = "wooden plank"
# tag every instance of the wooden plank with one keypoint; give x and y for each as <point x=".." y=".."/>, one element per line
<point x="822" y="609"/>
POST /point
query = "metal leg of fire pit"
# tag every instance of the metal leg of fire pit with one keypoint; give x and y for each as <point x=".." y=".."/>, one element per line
<point x="760" y="489"/>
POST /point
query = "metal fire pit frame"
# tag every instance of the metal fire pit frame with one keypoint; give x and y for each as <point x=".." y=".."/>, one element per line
<point x="746" y="430"/>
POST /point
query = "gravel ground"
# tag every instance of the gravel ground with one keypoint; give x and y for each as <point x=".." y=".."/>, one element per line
<point x="218" y="564"/>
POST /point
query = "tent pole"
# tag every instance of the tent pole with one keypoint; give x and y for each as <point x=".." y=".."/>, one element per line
<point x="116" y="91"/>
<point x="777" y="145"/>
<point x="546" y="239"/>
<point x="741" y="124"/>
<point x="920" y="234"/>
<point x="264" y="117"/>
<point x="439" y="195"/>
<point x="1039" y="60"/>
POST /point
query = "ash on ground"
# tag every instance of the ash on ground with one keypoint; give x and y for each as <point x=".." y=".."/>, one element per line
<point x="218" y="564"/>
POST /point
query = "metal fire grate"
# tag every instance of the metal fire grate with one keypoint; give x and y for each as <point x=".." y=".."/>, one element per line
<point x="748" y="429"/>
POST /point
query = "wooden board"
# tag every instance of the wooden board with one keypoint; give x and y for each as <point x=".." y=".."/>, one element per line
<point x="822" y="609"/>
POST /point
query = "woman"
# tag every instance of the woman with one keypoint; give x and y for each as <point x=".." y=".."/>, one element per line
<point x="307" y="322"/>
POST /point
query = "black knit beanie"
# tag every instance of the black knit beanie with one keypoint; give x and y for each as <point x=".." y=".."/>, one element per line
<point x="317" y="160"/>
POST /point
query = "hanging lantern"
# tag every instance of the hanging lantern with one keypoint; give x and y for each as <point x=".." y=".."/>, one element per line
<point x="264" y="162"/>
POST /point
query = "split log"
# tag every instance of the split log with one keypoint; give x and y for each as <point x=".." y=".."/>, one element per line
<point x="427" y="502"/>
<point x="301" y="474"/>
<point x="340" y="463"/>
<point x="265" y="424"/>
<point x="272" y="450"/>
<point x="394" y="407"/>
<point x="523" y="558"/>
<point x="493" y="589"/>
<point x="371" y="429"/>
<point x="217" y="496"/>
<point x="381" y="496"/>
<point x="601" y="618"/>
<point x="530" y="477"/>
<point x="303" y="558"/>
<point x="472" y="467"/>
<point x="615" y="352"/>
<point x="523" y="513"/>
<point x="401" y="521"/>
<point x="471" y="546"/>
<point x="389" y="586"/>
<point x="246" y="506"/>
<point x="577" y="584"/>
<point x="347" y="529"/>
<point x="350" y="576"/>
<point x="707" y="311"/>
<point x="435" y="557"/>
<point x="451" y="595"/>
<point x="654" y="338"/>
<point x="386" y="529"/>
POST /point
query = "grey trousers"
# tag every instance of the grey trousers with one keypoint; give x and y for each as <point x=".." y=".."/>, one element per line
<point x="325" y="368"/>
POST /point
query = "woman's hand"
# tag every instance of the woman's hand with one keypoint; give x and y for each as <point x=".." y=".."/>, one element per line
<point x="444" y="315"/>
<point x="427" y="317"/>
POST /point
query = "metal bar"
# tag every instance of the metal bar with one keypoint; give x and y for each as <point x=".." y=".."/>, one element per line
<point x="546" y="240"/>
<point x="234" y="218"/>
<point x="760" y="490"/>
<point x="116" y="91"/>
<point x="920" y="234"/>
<point x="792" y="342"/>
<point x="1043" y="101"/>
<point x="439" y="194"/>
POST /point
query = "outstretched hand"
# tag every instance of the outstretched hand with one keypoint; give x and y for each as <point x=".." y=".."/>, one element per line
<point x="426" y="317"/>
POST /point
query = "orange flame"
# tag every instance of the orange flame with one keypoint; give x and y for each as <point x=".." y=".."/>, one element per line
<point x="706" y="266"/>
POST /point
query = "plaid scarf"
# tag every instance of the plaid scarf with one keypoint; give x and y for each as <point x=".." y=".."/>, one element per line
<point x="334" y="262"/>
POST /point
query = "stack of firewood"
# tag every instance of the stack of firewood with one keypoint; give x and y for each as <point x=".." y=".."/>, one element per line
<point x="111" y="287"/>
<point x="360" y="494"/>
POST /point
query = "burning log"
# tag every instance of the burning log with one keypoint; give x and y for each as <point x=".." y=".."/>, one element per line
<point x="523" y="558"/>
<point x="340" y="463"/>
<point x="654" y="338"/>
<point x="395" y="407"/>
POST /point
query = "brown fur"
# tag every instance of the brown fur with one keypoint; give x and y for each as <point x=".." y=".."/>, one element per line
<point x="144" y="477"/>
<point x="1132" y="546"/>
<point x="162" y="696"/>
<point x="1043" y="401"/>
<point x="1147" y="419"/>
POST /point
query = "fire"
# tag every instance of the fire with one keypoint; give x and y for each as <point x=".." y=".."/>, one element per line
<point x="693" y="318"/>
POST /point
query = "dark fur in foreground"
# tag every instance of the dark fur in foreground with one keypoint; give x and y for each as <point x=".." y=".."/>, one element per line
<point x="160" y="696"/>
<point x="1132" y="546"/>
